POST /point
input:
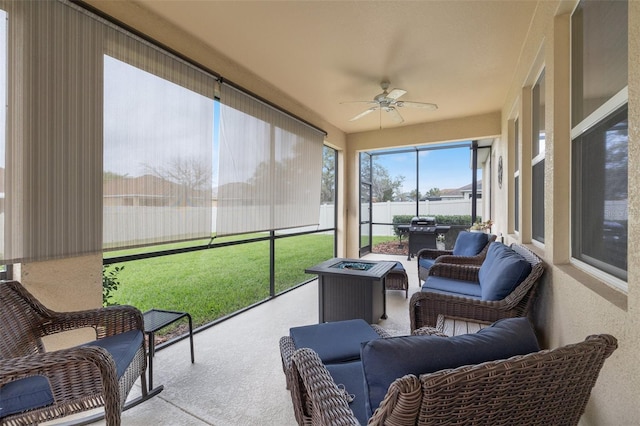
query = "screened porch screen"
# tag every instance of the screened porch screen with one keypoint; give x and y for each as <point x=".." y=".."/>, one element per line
<point x="269" y="170"/>
<point x="158" y="138"/>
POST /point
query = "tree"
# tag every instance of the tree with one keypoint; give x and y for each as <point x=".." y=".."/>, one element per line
<point x="191" y="178"/>
<point x="328" y="184"/>
<point x="107" y="175"/>
<point x="434" y="192"/>
<point x="384" y="187"/>
<point x="191" y="173"/>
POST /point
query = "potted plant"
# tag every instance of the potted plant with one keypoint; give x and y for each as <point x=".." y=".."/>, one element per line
<point x="481" y="226"/>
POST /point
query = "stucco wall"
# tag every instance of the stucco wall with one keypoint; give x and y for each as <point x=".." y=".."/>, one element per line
<point x="65" y="285"/>
<point x="571" y="304"/>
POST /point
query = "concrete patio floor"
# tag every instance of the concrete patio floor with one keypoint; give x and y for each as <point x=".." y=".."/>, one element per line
<point x="237" y="376"/>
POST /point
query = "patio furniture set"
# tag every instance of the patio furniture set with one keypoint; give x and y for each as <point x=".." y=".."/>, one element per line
<point x="472" y="356"/>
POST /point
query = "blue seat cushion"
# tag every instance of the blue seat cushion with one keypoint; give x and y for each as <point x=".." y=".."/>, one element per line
<point x="470" y="243"/>
<point x="122" y="347"/>
<point x="450" y="285"/>
<point x="501" y="272"/>
<point x="25" y="394"/>
<point x="385" y="360"/>
<point x="425" y="262"/>
<point x="351" y="376"/>
<point x="334" y="341"/>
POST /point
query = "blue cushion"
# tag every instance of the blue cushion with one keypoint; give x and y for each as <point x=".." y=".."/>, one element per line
<point x="470" y="243"/>
<point x="385" y="360"/>
<point x="425" y="262"/>
<point x="334" y="341"/>
<point x="398" y="267"/>
<point x="25" y="394"/>
<point x="502" y="274"/>
<point x="122" y="347"/>
<point x="350" y="375"/>
<point x="450" y="285"/>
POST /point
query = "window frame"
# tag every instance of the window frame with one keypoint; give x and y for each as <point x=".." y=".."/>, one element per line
<point x="538" y="150"/>
<point x="601" y="115"/>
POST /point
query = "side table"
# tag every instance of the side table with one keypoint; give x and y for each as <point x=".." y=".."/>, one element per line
<point x="156" y="319"/>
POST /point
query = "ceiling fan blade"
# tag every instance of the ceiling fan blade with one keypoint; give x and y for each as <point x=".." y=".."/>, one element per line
<point x="394" y="115"/>
<point x="421" y="105"/>
<point x="396" y="93"/>
<point x="365" y="112"/>
<point x="358" y="102"/>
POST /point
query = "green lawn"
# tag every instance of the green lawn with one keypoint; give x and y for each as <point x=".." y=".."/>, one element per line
<point x="210" y="284"/>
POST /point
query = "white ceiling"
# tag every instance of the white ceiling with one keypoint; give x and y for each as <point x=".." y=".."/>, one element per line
<point x="460" y="55"/>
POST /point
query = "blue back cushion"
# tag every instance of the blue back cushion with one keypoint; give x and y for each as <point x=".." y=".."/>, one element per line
<point x="470" y="243"/>
<point x="122" y="347"/>
<point x="385" y="360"/>
<point x="334" y="341"/>
<point x="501" y="272"/>
<point x="25" y="394"/>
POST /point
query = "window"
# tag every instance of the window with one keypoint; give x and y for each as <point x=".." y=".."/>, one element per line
<point x="537" y="161"/>
<point x="600" y="195"/>
<point x="599" y="190"/>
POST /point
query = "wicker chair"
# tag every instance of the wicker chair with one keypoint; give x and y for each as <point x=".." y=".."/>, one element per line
<point x="79" y="378"/>
<point x="550" y="387"/>
<point x="447" y="256"/>
<point x="425" y="306"/>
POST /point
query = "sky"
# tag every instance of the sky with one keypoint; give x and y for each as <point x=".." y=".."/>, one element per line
<point x="439" y="168"/>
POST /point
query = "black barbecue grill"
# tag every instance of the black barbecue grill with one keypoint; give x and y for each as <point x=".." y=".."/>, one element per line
<point x="422" y="234"/>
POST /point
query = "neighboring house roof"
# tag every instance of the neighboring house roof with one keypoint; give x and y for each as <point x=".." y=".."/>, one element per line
<point x="146" y="186"/>
<point x="458" y="192"/>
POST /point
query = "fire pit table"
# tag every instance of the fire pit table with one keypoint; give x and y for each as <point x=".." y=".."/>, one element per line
<point x="351" y="288"/>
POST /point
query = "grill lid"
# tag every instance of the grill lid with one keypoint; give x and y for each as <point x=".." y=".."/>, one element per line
<point x="423" y="221"/>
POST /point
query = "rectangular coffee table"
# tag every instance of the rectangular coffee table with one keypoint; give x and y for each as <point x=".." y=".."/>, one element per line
<point x="351" y="288"/>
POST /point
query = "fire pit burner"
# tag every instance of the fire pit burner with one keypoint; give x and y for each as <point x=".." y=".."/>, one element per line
<point x="356" y="266"/>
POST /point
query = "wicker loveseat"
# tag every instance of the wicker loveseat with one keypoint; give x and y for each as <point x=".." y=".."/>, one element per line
<point x="38" y="386"/>
<point x="459" y="290"/>
<point x="537" y="388"/>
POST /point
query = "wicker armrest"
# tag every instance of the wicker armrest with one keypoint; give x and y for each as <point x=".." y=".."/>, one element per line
<point x="328" y="403"/>
<point x="85" y="370"/>
<point x="428" y="331"/>
<point x="107" y="321"/>
<point x="287" y="348"/>
<point x="428" y="253"/>
<point x="381" y="331"/>
<point x="458" y="272"/>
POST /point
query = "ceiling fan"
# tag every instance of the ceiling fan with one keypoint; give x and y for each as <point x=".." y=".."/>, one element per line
<point x="388" y="101"/>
